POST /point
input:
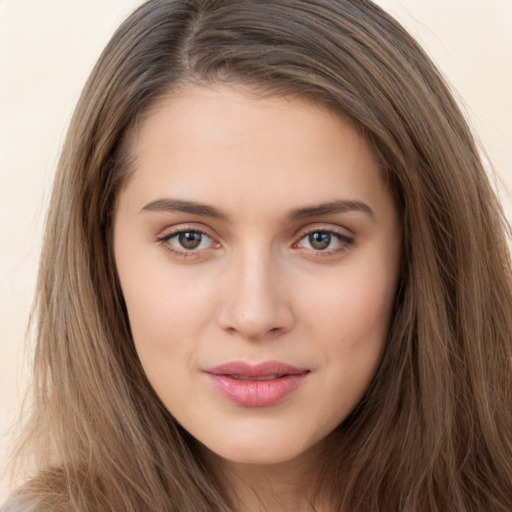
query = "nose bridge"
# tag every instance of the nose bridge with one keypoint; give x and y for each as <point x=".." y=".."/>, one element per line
<point x="256" y="303"/>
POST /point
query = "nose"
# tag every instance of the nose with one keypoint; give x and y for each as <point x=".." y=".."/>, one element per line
<point x="256" y="304"/>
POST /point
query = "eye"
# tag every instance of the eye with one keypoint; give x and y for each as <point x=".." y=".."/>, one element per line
<point x="189" y="239"/>
<point x="319" y="241"/>
<point x="325" y="241"/>
<point x="186" y="241"/>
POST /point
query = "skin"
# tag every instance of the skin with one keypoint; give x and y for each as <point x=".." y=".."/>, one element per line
<point x="258" y="287"/>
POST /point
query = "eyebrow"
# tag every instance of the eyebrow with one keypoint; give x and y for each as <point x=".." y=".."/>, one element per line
<point x="178" y="205"/>
<point x="339" y="206"/>
<point x="205" y="210"/>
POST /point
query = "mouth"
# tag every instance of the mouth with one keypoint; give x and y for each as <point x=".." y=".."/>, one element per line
<point x="260" y="385"/>
<point x="260" y="379"/>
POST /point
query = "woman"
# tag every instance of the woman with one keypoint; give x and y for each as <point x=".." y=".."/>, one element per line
<point x="274" y="277"/>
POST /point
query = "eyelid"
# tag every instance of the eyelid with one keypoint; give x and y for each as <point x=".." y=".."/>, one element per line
<point x="171" y="231"/>
<point x="325" y="228"/>
<point x="345" y="240"/>
<point x="166" y="235"/>
<point x="340" y="233"/>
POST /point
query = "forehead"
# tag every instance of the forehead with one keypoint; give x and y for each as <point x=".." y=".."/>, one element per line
<point x="222" y="143"/>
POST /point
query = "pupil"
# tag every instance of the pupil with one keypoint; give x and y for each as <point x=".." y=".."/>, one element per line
<point x="189" y="239"/>
<point x="319" y="241"/>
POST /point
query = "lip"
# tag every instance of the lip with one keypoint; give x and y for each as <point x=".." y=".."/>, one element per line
<point x="256" y="385"/>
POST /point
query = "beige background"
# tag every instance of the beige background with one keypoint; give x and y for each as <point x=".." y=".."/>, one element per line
<point x="47" y="48"/>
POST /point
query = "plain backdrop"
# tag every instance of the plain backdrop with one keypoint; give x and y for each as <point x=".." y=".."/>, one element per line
<point x="47" y="49"/>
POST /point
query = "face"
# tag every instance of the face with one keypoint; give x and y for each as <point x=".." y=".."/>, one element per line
<point x="258" y="250"/>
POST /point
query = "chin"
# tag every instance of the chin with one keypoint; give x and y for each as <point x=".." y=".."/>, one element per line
<point x="268" y="450"/>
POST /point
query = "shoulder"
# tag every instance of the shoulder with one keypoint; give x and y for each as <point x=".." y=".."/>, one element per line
<point x="18" y="504"/>
<point x="29" y="503"/>
<point x="45" y="492"/>
<point x="25" y="503"/>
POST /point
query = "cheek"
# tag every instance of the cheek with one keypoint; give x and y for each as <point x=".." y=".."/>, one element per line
<point x="350" y="322"/>
<point x="167" y="311"/>
<point x="353" y="307"/>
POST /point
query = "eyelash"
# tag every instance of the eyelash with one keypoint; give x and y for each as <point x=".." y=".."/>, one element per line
<point x="343" y="245"/>
<point x="164" y="241"/>
<point x="344" y="242"/>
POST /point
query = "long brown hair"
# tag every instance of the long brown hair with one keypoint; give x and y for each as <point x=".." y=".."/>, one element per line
<point x="434" y="431"/>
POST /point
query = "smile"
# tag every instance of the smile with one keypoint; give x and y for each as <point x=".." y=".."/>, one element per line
<point x="260" y="385"/>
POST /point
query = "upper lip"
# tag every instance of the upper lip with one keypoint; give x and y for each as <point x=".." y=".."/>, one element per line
<point x="264" y="369"/>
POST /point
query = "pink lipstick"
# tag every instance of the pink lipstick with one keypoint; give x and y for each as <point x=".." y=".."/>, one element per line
<point x="260" y="385"/>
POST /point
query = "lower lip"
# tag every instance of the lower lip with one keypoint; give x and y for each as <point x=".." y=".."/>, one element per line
<point x="256" y="393"/>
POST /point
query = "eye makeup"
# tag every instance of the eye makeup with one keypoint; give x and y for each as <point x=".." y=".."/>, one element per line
<point x="193" y="242"/>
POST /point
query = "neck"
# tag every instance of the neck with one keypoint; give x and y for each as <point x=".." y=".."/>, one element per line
<point x="278" y="487"/>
